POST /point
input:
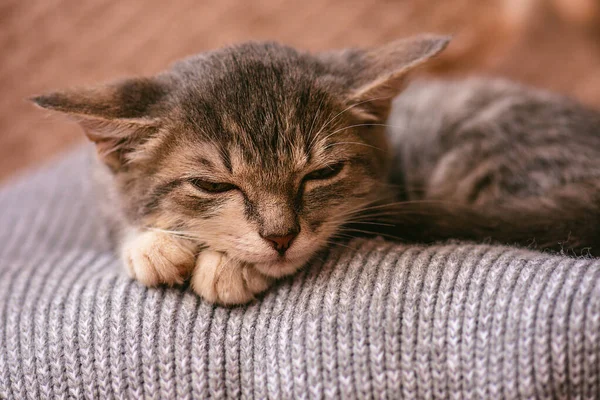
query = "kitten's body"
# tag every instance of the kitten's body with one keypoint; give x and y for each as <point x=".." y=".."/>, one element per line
<point x="490" y="159"/>
<point x="236" y="166"/>
<point x="484" y="141"/>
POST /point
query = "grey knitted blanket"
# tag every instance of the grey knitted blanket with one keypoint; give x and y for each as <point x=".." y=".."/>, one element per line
<point x="375" y="320"/>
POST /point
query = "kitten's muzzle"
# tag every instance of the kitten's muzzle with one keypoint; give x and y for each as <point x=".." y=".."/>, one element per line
<point x="281" y="243"/>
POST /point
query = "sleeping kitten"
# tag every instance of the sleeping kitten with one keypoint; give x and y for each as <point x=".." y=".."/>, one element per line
<point x="236" y="166"/>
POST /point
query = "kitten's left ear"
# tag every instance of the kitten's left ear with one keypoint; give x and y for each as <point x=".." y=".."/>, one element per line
<point x="382" y="70"/>
<point x="116" y="117"/>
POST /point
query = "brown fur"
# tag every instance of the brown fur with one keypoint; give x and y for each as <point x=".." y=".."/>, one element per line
<point x="293" y="142"/>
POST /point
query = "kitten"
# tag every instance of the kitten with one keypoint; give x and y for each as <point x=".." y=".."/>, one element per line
<point x="236" y="166"/>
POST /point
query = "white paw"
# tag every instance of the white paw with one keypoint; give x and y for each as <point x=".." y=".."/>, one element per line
<point x="220" y="279"/>
<point x="155" y="258"/>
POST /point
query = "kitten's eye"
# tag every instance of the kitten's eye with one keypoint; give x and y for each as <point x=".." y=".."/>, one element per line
<point x="212" y="187"/>
<point x="325" y="173"/>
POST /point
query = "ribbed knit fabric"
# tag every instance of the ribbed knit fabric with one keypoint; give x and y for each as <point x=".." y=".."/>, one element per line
<point x="375" y="320"/>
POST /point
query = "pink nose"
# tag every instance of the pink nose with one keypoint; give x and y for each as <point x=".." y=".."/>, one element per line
<point x="281" y="243"/>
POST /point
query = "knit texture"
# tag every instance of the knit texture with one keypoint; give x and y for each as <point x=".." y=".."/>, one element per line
<point x="371" y="320"/>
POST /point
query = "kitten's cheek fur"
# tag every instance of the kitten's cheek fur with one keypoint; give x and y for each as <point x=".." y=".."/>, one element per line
<point x="155" y="258"/>
<point x="220" y="279"/>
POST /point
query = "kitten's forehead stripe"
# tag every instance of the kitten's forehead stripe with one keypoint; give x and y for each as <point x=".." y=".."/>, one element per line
<point x="205" y="162"/>
<point x="263" y="99"/>
<point x="157" y="194"/>
<point x="200" y="207"/>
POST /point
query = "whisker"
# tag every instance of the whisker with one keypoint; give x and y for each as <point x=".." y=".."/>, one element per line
<point x="349" y="108"/>
<point x="386" y="235"/>
<point x="355" y="126"/>
<point x="181" y="234"/>
<point x="369" y="222"/>
<point x="340" y="113"/>
<point x="412" y="202"/>
<point x="333" y="243"/>
<point x="359" y="125"/>
<point x="312" y="125"/>
<point x="357" y="143"/>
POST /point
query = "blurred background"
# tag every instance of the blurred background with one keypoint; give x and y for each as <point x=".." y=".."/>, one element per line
<point x="51" y="44"/>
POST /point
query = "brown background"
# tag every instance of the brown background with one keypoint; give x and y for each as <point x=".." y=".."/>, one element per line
<point x="49" y="44"/>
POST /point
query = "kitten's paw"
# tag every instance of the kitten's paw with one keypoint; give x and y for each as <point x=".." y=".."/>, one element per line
<point x="223" y="280"/>
<point x="155" y="258"/>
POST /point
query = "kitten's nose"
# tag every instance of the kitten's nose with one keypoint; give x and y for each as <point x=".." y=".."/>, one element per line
<point x="281" y="243"/>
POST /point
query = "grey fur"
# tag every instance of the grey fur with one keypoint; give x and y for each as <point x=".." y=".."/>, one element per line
<point x="453" y="135"/>
<point x="491" y="159"/>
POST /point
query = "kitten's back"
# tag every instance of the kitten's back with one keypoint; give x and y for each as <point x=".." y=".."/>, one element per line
<point x="493" y="159"/>
<point x="481" y="141"/>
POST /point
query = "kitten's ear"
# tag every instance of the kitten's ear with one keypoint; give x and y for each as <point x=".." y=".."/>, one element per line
<point x="116" y="117"/>
<point x="384" y="68"/>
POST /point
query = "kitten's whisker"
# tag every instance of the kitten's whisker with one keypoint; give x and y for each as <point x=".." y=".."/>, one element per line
<point x="356" y="143"/>
<point x="365" y="219"/>
<point x="393" y="237"/>
<point x="390" y="215"/>
<point x="181" y="234"/>
<point x="359" y="222"/>
<point x="334" y="243"/>
<point x="359" y="210"/>
<point x="347" y="109"/>
<point x="369" y="222"/>
<point x="312" y="125"/>
<point x="356" y="126"/>
<point x="411" y="202"/>
<point x="341" y="234"/>
<point x="359" y="125"/>
<point x="376" y="212"/>
<point x="382" y="220"/>
<point x="340" y="113"/>
<point x="343" y="129"/>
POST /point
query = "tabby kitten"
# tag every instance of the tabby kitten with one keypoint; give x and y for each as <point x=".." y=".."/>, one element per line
<point x="236" y="166"/>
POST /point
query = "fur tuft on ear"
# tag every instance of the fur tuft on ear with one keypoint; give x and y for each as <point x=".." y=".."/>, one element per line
<point x="116" y="117"/>
<point x="384" y="68"/>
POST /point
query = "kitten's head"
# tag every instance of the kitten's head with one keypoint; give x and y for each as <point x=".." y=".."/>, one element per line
<point x="257" y="150"/>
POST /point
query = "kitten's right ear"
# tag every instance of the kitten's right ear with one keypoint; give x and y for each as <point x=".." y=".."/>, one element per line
<point x="116" y="117"/>
<point x="376" y="75"/>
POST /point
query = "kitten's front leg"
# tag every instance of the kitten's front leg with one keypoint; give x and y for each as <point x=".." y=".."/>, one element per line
<point x="155" y="258"/>
<point x="224" y="280"/>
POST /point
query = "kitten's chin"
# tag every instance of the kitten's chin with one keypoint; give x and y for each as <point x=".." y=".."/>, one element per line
<point x="279" y="269"/>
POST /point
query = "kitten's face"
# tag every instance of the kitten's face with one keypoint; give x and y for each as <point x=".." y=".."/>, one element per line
<point x="263" y="163"/>
<point x="257" y="151"/>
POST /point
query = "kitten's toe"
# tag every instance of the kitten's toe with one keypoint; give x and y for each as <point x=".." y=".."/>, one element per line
<point x="231" y="289"/>
<point x="204" y="275"/>
<point x="220" y="279"/>
<point x="155" y="258"/>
